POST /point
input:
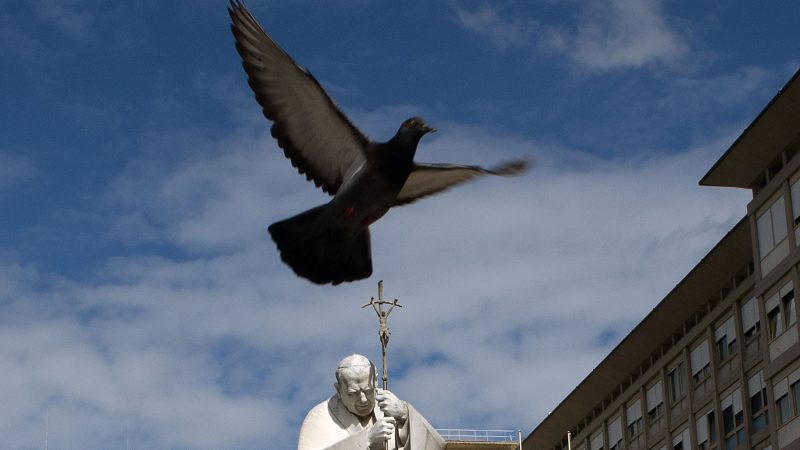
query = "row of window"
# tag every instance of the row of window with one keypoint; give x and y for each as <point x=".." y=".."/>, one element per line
<point x="781" y="314"/>
<point x="732" y="422"/>
<point x="780" y="311"/>
<point x="733" y="416"/>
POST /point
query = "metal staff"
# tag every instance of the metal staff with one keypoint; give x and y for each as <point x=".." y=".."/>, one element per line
<point x="383" y="330"/>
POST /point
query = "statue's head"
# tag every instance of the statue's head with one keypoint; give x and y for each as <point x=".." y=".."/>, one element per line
<point x="355" y="384"/>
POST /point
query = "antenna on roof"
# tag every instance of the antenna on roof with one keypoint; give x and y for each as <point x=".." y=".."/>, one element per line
<point x="46" y="425"/>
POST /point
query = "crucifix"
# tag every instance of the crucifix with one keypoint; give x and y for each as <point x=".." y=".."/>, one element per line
<point x="383" y="330"/>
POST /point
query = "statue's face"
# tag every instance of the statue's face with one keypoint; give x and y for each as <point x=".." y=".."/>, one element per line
<point x="356" y="389"/>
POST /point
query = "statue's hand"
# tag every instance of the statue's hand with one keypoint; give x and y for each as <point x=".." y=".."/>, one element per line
<point x="380" y="432"/>
<point x="392" y="406"/>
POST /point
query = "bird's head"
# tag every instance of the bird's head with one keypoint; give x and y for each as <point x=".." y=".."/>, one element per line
<point x="414" y="127"/>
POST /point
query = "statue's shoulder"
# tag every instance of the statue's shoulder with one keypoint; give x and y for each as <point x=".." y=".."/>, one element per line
<point x="323" y="409"/>
<point x="321" y="428"/>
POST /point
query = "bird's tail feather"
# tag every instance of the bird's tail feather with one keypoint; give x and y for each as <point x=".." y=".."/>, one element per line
<point x="320" y="252"/>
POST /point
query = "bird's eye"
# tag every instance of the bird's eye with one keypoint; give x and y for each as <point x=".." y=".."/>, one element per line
<point x="412" y="123"/>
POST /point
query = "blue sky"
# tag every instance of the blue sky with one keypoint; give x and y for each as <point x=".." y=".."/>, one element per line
<point x="139" y="290"/>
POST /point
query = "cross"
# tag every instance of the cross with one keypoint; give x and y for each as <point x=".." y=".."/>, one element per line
<point x="383" y="331"/>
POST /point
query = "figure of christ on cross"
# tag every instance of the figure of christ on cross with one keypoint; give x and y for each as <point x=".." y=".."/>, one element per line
<point x="383" y="327"/>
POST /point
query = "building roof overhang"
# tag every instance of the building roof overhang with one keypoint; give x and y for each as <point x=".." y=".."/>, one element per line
<point x="714" y="271"/>
<point x="761" y="142"/>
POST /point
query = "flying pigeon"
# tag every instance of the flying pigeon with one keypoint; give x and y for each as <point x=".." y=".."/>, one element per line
<point x="330" y="243"/>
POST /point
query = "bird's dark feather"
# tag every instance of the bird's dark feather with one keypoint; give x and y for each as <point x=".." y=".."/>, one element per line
<point x="319" y="140"/>
<point x="428" y="179"/>
<point x="322" y="253"/>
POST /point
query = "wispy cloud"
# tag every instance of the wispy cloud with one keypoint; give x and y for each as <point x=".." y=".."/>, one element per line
<point x="15" y="169"/>
<point x="487" y="22"/>
<point x="71" y="17"/>
<point x="608" y="35"/>
<point x="623" y="34"/>
<point x="16" y="41"/>
<point x="724" y="91"/>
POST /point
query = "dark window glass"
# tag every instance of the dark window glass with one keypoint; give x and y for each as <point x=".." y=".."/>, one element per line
<point x="784" y="409"/>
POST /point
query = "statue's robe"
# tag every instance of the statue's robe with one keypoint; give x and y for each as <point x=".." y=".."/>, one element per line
<point x="330" y="426"/>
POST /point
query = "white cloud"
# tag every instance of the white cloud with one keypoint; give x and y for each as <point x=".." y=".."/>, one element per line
<point x="487" y="22"/>
<point x="607" y="35"/>
<point x="724" y="91"/>
<point x="624" y="34"/>
<point x="228" y="349"/>
<point x="218" y="198"/>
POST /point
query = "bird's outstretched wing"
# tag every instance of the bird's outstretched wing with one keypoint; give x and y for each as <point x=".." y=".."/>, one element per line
<point x="315" y="135"/>
<point x="429" y="179"/>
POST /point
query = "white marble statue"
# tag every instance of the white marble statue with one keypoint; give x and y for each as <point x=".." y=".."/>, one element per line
<point x="362" y="417"/>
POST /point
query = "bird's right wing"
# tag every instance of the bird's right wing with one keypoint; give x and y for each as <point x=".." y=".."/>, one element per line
<point x="315" y="135"/>
<point x="429" y="179"/>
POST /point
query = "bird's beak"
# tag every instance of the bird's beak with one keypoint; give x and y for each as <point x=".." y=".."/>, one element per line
<point x="426" y="129"/>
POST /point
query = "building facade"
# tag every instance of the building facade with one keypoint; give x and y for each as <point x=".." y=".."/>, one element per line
<point x="716" y="364"/>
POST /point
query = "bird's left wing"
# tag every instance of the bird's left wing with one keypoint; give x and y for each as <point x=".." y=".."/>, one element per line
<point x="315" y="135"/>
<point x="429" y="179"/>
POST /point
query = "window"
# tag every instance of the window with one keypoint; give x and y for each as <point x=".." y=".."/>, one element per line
<point x="655" y="401"/>
<point x="733" y="419"/>
<point x="787" y="397"/>
<point x="615" y="434"/>
<point x="677" y="382"/>
<point x="757" y="391"/>
<point x="682" y="441"/>
<point x="780" y="309"/>
<point x="789" y="314"/>
<point x="596" y="443"/>
<point x="633" y="414"/>
<point x="706" y="428"/>
<point x="711" y="419"/>
<point x="774" y="319"/>
<point x="795" y="388"/>
<point x="750" y="319"/>
<point x="700" y="362"/>
<point x="784" y="409"/>
<point x="725" y="335"/>
<point x="795" y="192"/>
<point x="771" y="226"/>
<point x="701" y="427"/>
<point x="783" y="405"/>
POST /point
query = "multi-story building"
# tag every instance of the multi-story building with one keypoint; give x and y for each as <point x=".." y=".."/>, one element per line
<point x="716" y="364"/>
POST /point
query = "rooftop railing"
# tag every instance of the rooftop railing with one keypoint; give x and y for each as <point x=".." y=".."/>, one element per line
<point x="455" y="434"/>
